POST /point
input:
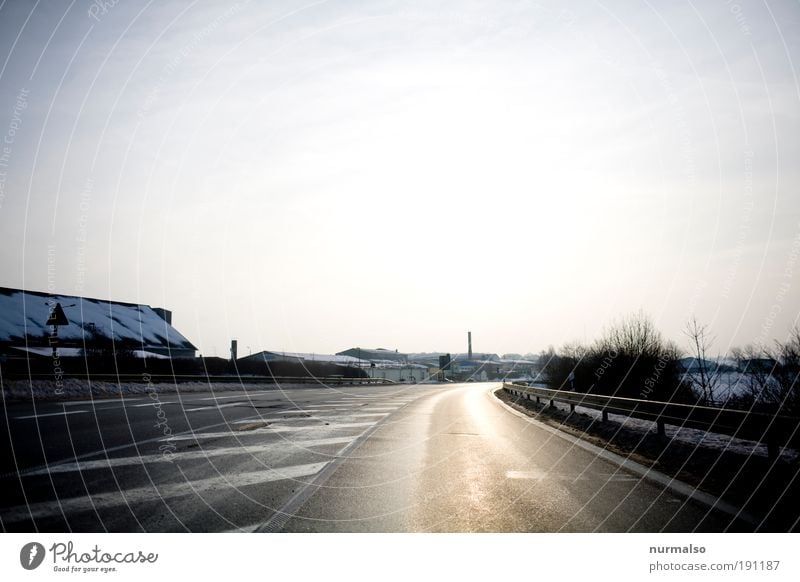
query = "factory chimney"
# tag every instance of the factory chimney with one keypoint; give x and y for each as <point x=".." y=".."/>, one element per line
<point x="234" y="349"/>
<point x="469" y="345"/>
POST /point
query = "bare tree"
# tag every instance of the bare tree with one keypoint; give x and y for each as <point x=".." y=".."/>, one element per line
<point x="771" y="374"/>
<point x="705" y="378"/>
<point x="633" y="359"/>
<point x="786" y="372"/>
<point x="635" y="336"/>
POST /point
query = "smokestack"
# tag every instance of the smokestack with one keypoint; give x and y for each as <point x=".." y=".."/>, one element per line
<point x="469" y="345"/>
<point x="234" y="349"/>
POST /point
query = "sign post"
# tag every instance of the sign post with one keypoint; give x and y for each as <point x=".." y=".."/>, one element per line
<point x="57" y="317"/>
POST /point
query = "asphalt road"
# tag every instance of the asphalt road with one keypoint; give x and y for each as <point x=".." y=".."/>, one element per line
<point x="311" y="458"/>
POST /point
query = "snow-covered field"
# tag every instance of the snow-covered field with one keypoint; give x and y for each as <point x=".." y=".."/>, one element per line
<point x="730" y="384"/>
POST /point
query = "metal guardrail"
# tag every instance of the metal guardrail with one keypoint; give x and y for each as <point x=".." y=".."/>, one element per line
<point x="773" y="430"/>
<point x="207" y="379"/>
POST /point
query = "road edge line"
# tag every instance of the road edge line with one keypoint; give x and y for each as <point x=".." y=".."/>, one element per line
<point x="671" y="483"/>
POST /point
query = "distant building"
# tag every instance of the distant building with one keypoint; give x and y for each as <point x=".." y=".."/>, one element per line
<point x="405" y="373"/>
<point x="478" y="357"/>
<point x="93" y="324"/>
<point x="378" y="355"/>
<point x="300" y="357"/>
<point x="428" y="358"/>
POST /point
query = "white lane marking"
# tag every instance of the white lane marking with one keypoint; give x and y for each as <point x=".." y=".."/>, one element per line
<point x="332" y="425"/>
<point x="293" y="411"/>
<point x="243" y="396"/>
<point x="324" y="413"/>
<point x="98" y="401"/>
<point x="312" y="411"/>
<point x="159" y="403"/>
<point x="104" y="451"/>
<point x="221" y="485"/>
<point x="534" y="474"/>
<point x="62" y="413"/>
<point x="376" y="416"/>
<point x="539" y="475"/>
<point x="266" y="430"/>
<point x="211" y="407"/>
<point x="254" y="450"/>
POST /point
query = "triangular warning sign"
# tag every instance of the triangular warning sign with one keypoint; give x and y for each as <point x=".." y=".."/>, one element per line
<point x="57" y="316"/>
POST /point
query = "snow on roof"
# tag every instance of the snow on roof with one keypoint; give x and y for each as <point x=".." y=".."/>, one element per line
<point x="374" y="354"/>
<point x="309" y="357"/>
<point x="77" y="352"/>
<point x="23" y="315"/>
<point x="330" y="358"/>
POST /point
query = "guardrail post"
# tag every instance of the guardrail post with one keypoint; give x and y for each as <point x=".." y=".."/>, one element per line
<point x="773" y="449"/>
<point x="571" y="407"/>
<point x="538" y="401"/>
<point x="662" y="432"/>
<point x="605" y="415"/>
<point x="552" y="404"/>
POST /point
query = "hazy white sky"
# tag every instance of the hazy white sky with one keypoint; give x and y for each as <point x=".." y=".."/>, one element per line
<point x="316" y="176"/>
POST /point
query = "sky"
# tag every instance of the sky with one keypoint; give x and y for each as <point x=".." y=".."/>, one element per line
<point x="314" y="176"/>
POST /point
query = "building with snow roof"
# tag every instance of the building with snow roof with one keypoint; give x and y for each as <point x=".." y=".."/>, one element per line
<point x="92" y="324"/>
<point x="300" y="357"/>
<point x="376" y="355"/>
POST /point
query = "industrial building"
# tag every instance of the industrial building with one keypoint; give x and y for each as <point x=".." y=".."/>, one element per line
<point x="85" y="325"/>
<point x="378" y="355"/>
<point x="301" y="357"/>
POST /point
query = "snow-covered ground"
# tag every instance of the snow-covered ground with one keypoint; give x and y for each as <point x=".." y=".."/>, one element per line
<point x="688" y="435"/>
<point x="730" y="384"/>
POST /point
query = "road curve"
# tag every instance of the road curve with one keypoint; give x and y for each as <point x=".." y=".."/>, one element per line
<point x="458" y="460"/>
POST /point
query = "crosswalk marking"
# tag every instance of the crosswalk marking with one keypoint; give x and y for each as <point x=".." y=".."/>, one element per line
<point x="285" y="446"/>
<point x="292" y="434"/>
<point x="221" y="484"/>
